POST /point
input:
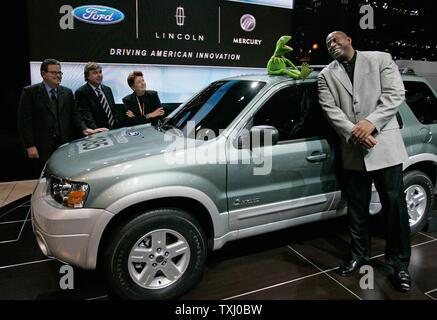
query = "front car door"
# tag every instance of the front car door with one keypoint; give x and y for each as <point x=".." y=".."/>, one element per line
<point x="291" y="179"/>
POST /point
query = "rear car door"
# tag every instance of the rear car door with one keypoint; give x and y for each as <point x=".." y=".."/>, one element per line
<point x="423" y="103"/>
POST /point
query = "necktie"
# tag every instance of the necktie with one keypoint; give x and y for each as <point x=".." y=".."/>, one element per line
<point x="53" y="96"/>
<point x="55" y="106"/>
<point x="105" y="105"/>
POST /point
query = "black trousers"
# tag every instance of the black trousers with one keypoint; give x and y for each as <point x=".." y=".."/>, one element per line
<point x="389" y="184"/>
<point x="37" y="166"/>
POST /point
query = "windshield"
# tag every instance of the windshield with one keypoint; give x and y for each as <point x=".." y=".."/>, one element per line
<point x="213" y="109"/>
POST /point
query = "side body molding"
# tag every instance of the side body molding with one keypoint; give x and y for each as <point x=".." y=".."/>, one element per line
<point x="219" y="220"/>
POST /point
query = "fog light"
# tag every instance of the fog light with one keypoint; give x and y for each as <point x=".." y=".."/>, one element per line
<point x="42" y="244"/>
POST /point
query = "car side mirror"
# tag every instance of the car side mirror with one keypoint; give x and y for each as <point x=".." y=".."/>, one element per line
<point x="258" y="136"/>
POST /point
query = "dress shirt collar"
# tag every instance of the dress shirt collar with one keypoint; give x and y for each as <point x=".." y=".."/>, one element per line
<point x="49" y="90"/>
<point x="351" y="63"/>
<point x="95" y="88"/>
<point x="350" y="67"/>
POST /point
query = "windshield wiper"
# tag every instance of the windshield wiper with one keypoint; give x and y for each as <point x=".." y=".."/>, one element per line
<point x="168" y="126"/>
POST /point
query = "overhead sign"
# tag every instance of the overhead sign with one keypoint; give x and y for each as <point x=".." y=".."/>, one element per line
<point x="289" y="4"/>
<point x="171" y="32"/>
<point x="98" y="14"/>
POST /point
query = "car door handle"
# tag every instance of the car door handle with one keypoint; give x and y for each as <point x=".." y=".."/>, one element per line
<point x="317" y="156"/>
<point x="426" y="134"/>
<point x="429" y="138"/>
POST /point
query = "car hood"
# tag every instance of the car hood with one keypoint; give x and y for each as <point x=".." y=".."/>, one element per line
<point x="109" y="148"/>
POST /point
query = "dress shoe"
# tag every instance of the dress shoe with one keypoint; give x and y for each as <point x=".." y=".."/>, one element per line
<point x="350" y="267"/>
<point x="402" y="279"/>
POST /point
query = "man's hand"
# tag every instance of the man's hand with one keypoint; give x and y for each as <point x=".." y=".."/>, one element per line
<point x="362" y="130"/>
<point x="130" y="114"/>
<point x="32" y="153"/>
<point x="368" y="143"/>
<point x="89" y="131"/>
<point x="100" y="130"/>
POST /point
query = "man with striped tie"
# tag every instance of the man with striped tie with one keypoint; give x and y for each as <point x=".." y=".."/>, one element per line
<point x="96" y="101"/>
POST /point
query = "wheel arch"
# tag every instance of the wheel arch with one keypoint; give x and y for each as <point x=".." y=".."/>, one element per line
<point x="428" y="167"/>
<point x="192" y="206"/>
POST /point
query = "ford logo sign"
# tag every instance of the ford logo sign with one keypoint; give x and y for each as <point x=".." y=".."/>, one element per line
<point x="98" y="14"/>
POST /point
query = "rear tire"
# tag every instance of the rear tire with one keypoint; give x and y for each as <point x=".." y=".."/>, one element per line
<point x="158" y="254"/>
<point x="418" y="195"/>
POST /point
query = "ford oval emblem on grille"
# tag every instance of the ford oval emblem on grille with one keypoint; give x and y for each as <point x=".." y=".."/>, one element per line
<point x="98" y="14"/>
<point x="133" y="133"/>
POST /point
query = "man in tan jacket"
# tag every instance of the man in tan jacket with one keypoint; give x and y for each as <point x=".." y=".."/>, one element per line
<point x="360" y="93"/>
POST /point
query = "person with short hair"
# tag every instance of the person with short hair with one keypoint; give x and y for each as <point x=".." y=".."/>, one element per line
<point x="96" y="101"/>
<point x="48" y="116"/>
<point x="360" y="93"/>
<point x="143" y="105"/>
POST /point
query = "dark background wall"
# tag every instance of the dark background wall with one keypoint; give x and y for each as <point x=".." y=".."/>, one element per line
<point x="404" y="28"/>
<point x="15" y="71"/>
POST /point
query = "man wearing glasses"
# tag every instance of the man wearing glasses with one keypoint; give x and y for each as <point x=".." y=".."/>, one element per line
<point x="47" y="116"/>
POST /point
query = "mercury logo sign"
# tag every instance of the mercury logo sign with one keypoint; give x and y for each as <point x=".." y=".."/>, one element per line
<point x="248" y="22"/>
<point x="180" y="16"/>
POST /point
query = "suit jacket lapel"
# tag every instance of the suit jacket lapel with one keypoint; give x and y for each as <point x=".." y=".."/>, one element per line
<point x="93" y="94"/>
<point x="45" y="98"/>
<point x="361" y="68"/>
<point x="340" y="73"/>
<point x="60" y="100"/>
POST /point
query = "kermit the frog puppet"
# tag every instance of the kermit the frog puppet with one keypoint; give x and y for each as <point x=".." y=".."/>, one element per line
<point x="278" y="63"/>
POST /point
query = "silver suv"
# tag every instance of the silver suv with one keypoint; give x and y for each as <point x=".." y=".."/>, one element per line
<point x="245" y="156"/>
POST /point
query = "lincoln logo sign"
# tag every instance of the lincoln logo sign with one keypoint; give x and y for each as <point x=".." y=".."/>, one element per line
<point x="98" y="14"/>
<point x="180" y="16"/>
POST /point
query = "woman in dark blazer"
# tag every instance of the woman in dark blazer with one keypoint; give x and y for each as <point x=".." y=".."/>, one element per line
<point x="143" y="105"/>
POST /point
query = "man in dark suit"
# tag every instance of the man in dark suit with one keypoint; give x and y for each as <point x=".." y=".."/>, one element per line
<point x="48" y="116"/>
<point x="96" y="101"/>
<point x="360" y="93"/>
<point x="143" y="106"/>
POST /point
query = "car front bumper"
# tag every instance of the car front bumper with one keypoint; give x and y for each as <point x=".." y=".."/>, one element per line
<point x="67" y="234"/>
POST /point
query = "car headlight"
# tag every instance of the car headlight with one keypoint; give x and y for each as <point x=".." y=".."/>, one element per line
<point x="69" y="193"/>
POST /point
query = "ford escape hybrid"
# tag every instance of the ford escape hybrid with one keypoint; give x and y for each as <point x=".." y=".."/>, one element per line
<point x="245" y="156"/>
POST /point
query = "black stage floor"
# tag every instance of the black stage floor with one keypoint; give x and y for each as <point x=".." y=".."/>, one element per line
<point x="293" y="264"/>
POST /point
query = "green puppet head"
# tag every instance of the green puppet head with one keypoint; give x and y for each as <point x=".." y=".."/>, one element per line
<point x="281" y="47"/>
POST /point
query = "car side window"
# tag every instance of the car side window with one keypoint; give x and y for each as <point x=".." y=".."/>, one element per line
<point x="295" y="112"/>
<point x="422" y="101"/>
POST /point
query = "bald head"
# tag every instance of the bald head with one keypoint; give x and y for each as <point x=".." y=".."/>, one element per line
<point x="339" y="46"/>
<point x="339" y="33"/>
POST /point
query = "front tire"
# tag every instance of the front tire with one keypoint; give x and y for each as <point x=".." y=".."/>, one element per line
<point x="158" y="254"/>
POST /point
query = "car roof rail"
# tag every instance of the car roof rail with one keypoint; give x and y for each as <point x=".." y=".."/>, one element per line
<point x="407" y="71"/>
<point x="317" y="67"/>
